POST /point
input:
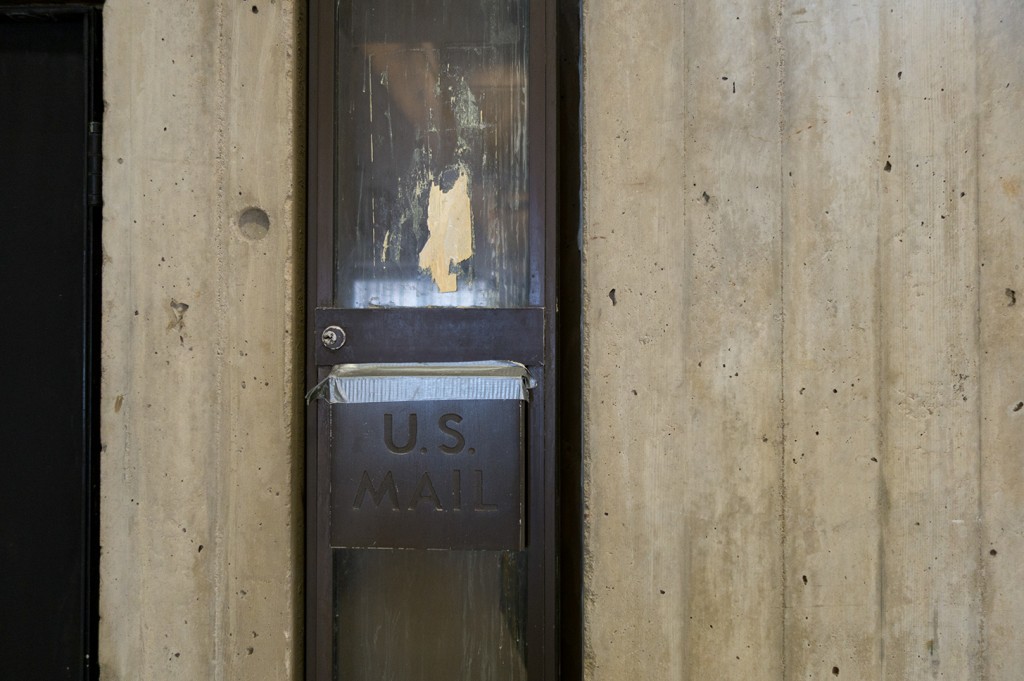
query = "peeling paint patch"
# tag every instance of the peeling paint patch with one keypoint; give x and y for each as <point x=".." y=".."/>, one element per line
<point x="450" y="224"/>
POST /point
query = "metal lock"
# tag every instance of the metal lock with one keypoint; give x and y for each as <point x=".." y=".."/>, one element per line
<point x="333" y="337"/>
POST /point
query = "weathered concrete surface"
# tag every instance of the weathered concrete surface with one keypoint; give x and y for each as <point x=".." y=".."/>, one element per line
<point x="803" y="414"/>
<point x="683" y="301"/>
<point x="816" y="281"/>
<point x="201" y="389"/>
<point x="1000" y="213"/>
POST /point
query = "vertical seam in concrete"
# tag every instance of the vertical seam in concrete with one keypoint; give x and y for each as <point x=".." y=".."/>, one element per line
<point x="218" y="600"/>
<point x="586" y="557"/>
<point x="127" y="454"/>
<point x="128" y="223"/>
<point x="983" y="662"/>
<point x="883" y="494"/>
<point x="781" y="75"/>
<point x="881" y="356"/>
<point x="685" y="635"/>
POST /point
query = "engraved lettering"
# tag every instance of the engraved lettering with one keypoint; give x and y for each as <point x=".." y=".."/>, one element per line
<point x="456" y="490"/>
<point x="479" y="504"/>
<point x="425" y="492"/>
<point x="460" y="441"/>
<point x="389" y="435"/>
<point x="387" y="486"/>
<point x="432" y="474"/>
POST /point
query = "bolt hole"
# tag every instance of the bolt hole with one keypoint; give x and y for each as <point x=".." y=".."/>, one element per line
<point x="254" y="223"/>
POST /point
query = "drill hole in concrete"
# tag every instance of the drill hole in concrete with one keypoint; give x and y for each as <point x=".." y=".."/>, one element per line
<point x="254" y="223"/>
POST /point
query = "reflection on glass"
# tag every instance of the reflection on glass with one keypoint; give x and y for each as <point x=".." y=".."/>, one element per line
<point x="432" y="206"/>
<point x="416" y="615"/>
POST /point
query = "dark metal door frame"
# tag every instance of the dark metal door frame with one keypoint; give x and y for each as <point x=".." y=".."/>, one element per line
<point x="526" y="334"/>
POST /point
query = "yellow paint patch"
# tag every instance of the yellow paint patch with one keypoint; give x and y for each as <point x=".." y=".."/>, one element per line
<point x="450" y="223"/>
<point x="1011" y="187"/>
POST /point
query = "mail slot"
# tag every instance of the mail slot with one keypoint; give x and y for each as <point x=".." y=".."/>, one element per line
<point x="427" y="456"/>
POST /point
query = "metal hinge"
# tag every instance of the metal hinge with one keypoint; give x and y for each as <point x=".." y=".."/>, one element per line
<point x="94" y="169"/>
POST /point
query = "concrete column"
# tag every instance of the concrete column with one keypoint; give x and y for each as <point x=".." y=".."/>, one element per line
<point x="202" y="376"/>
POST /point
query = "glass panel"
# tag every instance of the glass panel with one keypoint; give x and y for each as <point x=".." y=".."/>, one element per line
<point x="431" y="203"/>
<point x="416" y="615"/>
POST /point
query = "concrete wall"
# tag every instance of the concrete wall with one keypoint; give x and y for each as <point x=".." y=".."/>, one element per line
<point x="803" y="422"/>
<point x="201" y="390"/>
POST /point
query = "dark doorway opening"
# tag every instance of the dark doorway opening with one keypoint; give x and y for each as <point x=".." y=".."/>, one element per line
<point x="50" y="110"/>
